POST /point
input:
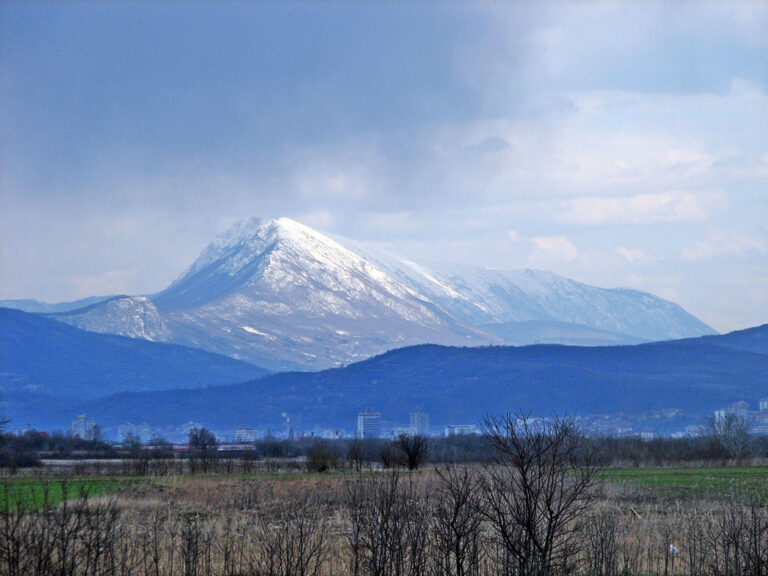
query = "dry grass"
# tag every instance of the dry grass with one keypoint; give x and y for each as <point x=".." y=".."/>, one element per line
<point x="310" y="524"/>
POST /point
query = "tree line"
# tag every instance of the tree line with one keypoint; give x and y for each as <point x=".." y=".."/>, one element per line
<point x="719" y="445"/>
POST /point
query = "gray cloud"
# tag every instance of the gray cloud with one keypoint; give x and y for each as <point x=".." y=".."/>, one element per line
<point x="558" y="121"/>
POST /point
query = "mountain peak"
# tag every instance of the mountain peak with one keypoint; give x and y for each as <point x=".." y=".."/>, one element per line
<point x="253" y="236"/>
<point x="290" y="231"/>
<point x="286" y="225"/>
<point x="270" y="260"/>
<point x="257" y="227"/>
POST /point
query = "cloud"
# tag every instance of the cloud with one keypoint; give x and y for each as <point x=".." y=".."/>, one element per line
<point x="558" y="247"/>
<point x="635" y="255"/>
<point x="665" y="285"/>
<point x="489" y="145"/>
<point x="603" y="44"/>
<point x="391" y="222"/>
<point x="641" y="208"/>
<point x="322" y="220"/>
<point x="722" y="243"/>
<point x="110" y="282"/>
<point x="539" y="117"/>
<point x="338" y="185"/>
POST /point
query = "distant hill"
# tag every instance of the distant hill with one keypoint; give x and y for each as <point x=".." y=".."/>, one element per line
<point x="749" y="340"/>
<point x="457" y="385"/>
<point x="35" y="306"/>
<point x="43" y="359"/>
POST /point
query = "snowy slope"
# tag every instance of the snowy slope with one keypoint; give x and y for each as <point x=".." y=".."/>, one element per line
<point x="481" y="296"/>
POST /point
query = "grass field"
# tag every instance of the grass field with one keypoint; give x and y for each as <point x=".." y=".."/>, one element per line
<point x="32" y="494"/>
<point x="694" y="481"/>
<point x="231" y="523"/>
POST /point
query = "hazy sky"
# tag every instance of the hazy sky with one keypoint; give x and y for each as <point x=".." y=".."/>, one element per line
<point x="620" y="144"/>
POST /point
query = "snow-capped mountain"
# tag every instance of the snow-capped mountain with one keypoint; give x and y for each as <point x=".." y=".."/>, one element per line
<point x="281" y="290"/>
<point x="282" y="295"/>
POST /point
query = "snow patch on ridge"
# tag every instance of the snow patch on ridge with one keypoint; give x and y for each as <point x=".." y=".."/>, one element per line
<point x="251" y="330"/>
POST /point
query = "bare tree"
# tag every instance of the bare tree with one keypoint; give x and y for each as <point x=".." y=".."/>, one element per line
<point x="732" y="432"/>
<point x="389" y="525"/>
<point x="412" y="449"/>
<point x="535" y="496"/>
<point x="202" y="448"/>
<point x="321" y="456"/>
<point x="355" y="454"/>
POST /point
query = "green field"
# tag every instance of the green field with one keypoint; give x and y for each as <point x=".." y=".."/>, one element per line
<point x="32" y="494"/>
<point x="694" y="481"/>
<point x="35" y="493"/>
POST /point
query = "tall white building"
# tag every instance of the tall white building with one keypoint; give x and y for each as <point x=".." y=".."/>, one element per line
<point x="369" y="425"/>
<point x="83" y="427"/>
<point x="420" y="423"/>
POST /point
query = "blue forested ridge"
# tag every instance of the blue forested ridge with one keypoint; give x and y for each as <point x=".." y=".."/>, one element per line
<point x="45" y="364"/>
<point x="463" y="384"/>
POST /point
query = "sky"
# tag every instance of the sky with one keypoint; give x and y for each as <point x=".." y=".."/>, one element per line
<point x="622" y="144"/>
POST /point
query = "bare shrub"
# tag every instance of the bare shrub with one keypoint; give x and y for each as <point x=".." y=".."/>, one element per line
<point x="389" y="523"/>
<point x="457" y="522"/>
<point x="601" y="544"/>
<point x="756" y="527"/>
<point x="450" y="521"/>
<point x="537" y="493"/>
<point x="737" y="539"/>
<point x="694" y="551"/>
<point x="290" y="542"/>
<point x="75" y="537"/>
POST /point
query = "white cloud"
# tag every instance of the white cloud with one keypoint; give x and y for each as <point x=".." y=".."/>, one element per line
<point x="322" y="220"/>
<point x="665" y="285"/>
<point x="641" y="208"/>
<point x="512" y="235"/>
<point x="336" y="185"/>
<point x="559" y="247"/>
<point x="725" y="243"/>
<point x="390" y="222"/>
<point x="635" y="255"/>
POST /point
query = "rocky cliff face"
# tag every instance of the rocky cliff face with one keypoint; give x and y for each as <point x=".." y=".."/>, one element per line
<point x="132" y="316"/>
